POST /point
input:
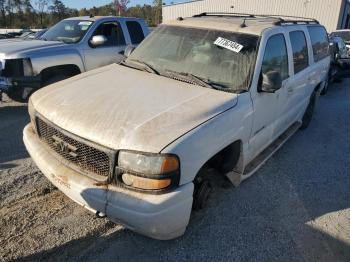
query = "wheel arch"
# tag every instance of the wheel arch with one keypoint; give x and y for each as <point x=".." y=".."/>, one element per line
<point x="229" y="158"/>
<point x="68" y="70"/>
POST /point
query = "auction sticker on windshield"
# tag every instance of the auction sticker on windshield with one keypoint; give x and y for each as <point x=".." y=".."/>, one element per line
<point x="228" y="44"/>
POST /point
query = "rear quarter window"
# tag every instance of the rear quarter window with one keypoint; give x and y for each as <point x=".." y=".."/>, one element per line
<point x="319" y="40"/>
<point x="135" y="32"/>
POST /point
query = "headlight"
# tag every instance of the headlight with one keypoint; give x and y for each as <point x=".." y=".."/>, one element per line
<point x="148" y="171"/>
<point x="27" y="67"/>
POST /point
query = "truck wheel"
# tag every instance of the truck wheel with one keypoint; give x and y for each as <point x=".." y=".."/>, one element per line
<point x="20" y="95"/>
<point x="54" y="79"/>
<point x="326" y="85"/>
<point x="201" y="194"/>
<point x="309" y="112"/>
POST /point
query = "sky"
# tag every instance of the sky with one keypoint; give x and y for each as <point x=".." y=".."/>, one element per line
<point x="90" y="3"/>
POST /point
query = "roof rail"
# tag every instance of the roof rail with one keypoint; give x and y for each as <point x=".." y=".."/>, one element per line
<point x="294" y="20"/>
<point x="224" y="14"/>
<point x="280" y="18"/>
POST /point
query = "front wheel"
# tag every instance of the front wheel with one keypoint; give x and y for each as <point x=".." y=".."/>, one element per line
<point x="54" y="79"/>
<point x="309" y="112"/>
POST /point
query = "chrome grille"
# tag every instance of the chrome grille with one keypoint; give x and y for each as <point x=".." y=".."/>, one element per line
<point x="85" y="157"/>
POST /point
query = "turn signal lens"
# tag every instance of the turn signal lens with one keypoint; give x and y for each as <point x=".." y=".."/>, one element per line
<point x="145" y="183"/>
<point x="170" y="164"/>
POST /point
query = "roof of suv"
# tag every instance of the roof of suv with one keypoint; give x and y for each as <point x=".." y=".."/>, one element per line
<point x="97" y="18"/>
<point x="251" y="24"/>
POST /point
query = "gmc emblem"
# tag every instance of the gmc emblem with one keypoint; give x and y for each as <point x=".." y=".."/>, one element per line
<point x="64" y="147"/>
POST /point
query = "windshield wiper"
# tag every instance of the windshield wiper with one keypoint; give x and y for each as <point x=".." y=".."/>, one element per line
<point x="202" y="82"/>
<point x="147" y="66"/>
<point x="193" y="78"/>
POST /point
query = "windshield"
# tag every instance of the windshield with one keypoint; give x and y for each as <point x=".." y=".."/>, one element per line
<point x="344" y="35"/>
<point x="67" y="31"/>
<point x="220" y="58"/>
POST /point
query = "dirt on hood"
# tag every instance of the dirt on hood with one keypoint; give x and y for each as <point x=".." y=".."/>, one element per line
<point x="124" y="108"/>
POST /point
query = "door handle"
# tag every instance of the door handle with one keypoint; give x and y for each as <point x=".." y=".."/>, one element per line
<point x="290" y="90"/>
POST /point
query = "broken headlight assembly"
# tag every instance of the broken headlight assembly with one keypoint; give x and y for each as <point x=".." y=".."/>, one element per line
<point x="148" y="172"/>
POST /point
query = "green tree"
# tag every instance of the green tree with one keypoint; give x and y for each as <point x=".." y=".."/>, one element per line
<point x="158" y="11"/>
<point x="58" y="9"/>
<point x="42" y="6"/>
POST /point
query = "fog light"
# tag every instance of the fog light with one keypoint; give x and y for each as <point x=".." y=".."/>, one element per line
<point x="145" y="183"/>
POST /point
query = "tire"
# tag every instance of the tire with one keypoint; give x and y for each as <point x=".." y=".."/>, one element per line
<point x="201" y="194"/>
<point x="309" y="112"/>
<point x="18" y="96"/>
<point x="54" y="79"/>
<point x="326" y="85"/>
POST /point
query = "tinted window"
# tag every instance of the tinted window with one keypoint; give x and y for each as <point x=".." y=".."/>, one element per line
<point x="113" y="32"/>
<point x="300" y="52"/>
<point x="276" y="57"/>
<point x="135" y="31"/>
<point x="319" y="40"/>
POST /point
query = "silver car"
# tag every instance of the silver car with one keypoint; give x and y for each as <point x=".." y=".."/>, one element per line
<point x="72" y="46"/>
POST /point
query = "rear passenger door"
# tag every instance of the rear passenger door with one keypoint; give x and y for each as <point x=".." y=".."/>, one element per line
<point x="297" y="92"/>
<point x="111" y="51"/>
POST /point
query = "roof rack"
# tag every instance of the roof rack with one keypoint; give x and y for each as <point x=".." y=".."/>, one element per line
<point x="280" y="18"/>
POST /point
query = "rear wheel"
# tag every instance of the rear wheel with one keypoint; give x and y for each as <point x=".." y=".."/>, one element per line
<point x="309" y="112"/>
<point x="327" y="83"/>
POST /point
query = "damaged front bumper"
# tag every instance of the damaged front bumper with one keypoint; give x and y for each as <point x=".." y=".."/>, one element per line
<point x="20" y="88"/>
<point x="161" y="217"/>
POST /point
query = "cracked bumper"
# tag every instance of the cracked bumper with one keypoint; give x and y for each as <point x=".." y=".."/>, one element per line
<point x="158" y="216"/>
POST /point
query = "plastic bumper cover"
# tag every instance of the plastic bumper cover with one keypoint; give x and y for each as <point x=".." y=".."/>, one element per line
<point x="158" y="216"/>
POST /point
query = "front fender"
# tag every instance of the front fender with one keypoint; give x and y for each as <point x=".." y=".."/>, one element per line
<point x="205" y="141"/>
<point x="52" y="58"/>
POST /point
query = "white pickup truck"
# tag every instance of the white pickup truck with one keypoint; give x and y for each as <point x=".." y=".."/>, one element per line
<point x="72" y="46"/>
<point x="219" y="91"/>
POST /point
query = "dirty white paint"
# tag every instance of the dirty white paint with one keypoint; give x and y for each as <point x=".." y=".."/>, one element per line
<point x="328" y="12"/>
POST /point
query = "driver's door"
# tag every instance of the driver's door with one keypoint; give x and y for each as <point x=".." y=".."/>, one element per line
<point x="267" y="106"/>
<point x="108" y="53"/>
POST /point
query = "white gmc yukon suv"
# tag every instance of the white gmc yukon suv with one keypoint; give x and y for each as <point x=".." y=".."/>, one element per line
<point x="131" y="141"/>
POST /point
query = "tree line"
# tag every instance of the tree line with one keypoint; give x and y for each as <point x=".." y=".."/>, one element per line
<point x="45" y="13"/>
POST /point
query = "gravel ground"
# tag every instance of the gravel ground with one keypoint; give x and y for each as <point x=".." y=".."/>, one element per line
<point x="295" y="208"/>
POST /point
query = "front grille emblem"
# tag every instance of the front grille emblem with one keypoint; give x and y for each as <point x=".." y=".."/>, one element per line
<point x="64" y="147"/>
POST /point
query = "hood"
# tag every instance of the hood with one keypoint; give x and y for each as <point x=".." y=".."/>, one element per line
<point x="123" y="108"/>
<point x="15" y="47"/>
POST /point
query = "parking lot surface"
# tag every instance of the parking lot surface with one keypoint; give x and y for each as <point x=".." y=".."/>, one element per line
<point x="295" y="208"/>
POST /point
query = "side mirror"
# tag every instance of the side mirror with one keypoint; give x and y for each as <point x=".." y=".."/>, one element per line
<point x="98" y="40"/>
<point x="270" y="82"/>
<point x="128" y="50"/>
